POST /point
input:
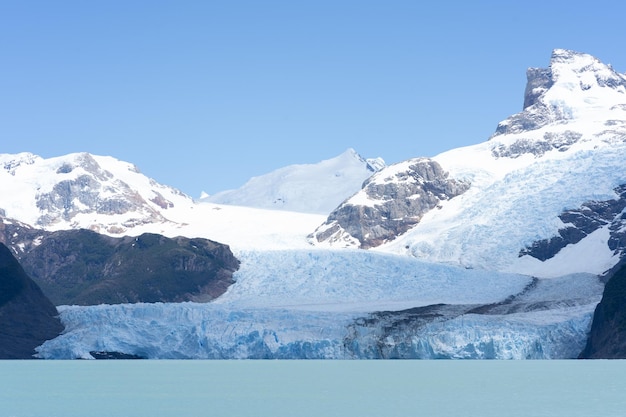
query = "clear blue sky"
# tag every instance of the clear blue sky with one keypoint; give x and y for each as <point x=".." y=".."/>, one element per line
<point x="202" y="95"/>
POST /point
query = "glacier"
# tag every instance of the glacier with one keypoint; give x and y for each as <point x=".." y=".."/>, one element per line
<point x="293" y="305"/>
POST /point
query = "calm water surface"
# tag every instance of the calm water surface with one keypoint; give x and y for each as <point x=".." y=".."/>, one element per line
<point x="312" y="388"/>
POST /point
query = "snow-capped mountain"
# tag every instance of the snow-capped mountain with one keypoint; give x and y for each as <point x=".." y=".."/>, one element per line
<point x="306" y="188"/>
<point x="83" y="191"/>
<point x="112" y="197"/>
<point x="543" y="196"/>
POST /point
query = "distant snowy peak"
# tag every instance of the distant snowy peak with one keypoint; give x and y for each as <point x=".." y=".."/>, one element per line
<point x="81" y="190"/>
<point x="12" y="162"/>
<point x="375" y="164"/>
<point x="307" y="188"/>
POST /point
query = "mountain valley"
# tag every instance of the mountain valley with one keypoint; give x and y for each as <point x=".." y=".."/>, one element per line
<point x="496" y="250"/>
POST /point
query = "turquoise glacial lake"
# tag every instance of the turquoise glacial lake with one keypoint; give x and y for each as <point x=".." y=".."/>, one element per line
<point x="312" y="388"/>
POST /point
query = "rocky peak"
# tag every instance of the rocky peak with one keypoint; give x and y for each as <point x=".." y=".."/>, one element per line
<point x="579" y="71"/>
<point x="390" y="203"/>
<point x="569" y="88"/>
<point x="82" y="190"/>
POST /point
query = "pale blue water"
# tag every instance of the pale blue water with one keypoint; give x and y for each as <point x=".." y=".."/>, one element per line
<point x="312" y="388"/>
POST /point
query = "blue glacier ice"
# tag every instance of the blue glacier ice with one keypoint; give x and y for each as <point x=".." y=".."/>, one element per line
<point x="323" y="305"/>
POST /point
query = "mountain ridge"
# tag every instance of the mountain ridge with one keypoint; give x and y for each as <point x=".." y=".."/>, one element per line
<point x="308" y="188"/>
<point x="563" y="151"/>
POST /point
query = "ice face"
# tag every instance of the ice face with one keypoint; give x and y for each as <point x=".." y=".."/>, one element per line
<point x="279" y="308"/>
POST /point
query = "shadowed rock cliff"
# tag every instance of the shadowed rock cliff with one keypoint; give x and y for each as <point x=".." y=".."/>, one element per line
<point x="27" y="317"/>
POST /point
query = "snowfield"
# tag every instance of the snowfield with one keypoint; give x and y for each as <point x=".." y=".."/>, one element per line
<point x="487" y="226"/>
<point x="307" y="188"/>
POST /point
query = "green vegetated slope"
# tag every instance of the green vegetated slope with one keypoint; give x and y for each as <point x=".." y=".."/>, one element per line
<point x="81" y="267"/>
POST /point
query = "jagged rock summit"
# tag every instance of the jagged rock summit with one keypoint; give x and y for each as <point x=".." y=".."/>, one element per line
<point x="576" y="89"/>
<point x="306" y="188"/>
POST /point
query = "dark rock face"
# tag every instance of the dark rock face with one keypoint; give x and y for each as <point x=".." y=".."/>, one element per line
<point x="83" y="267"/>
<point x="398" y="202"/>
<point x="539" y="80"/>
<point x="607" y="338"/>
<point x="27" y="317"/>
<point x="18" y="236"/>
<point x="581" y="222"/>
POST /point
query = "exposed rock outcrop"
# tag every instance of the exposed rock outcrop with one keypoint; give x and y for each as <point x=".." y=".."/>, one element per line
<point x="27" y="317"/>
<point x="560" y="141"/>
<point x="579" y="223"/>
<point x="390" y="203"/>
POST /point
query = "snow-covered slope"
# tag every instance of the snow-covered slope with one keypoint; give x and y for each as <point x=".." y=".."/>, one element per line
<point x="112" y="197"/>
<point x="83" y="190"/>
<point x="564" y="152"/>
<point x="308" y="188"/>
